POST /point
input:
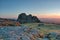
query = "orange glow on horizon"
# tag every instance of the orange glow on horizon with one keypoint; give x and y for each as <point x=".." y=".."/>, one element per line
<point x="47" y="15"/>
<point x="9" y="17"/>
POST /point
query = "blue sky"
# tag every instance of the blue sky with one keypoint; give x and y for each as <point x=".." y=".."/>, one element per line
<point x="11" y="8"/>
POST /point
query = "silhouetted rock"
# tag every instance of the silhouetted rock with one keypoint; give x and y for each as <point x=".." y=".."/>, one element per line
<point x="29" y="18"/>
<point x="35" y="19"/>
<point x="23" y="18"/>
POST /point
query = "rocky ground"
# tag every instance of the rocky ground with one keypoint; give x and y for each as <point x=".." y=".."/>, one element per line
<point x="26" y="33"/>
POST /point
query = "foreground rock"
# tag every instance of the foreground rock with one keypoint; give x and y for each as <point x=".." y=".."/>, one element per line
<point x="24" y="33"/>
<point x="18" y="33"/>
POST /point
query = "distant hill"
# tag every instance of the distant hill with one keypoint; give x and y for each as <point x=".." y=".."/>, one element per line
<point x="7" y="19"/>
<point x="8" y="22"/>
<point x="51" y="20"/>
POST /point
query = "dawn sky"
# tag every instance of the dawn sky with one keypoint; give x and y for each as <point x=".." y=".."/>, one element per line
<point x="42" y="8"/>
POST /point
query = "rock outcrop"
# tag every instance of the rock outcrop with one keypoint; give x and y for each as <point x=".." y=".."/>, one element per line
<point x="23" y="18"/>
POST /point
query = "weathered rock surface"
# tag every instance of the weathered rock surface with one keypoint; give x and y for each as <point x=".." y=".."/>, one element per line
<point x="25" y="33"/>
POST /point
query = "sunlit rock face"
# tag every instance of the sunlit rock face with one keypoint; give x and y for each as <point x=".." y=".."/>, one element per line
<point x="24" y="33"/>
<point x="17" y="33"/>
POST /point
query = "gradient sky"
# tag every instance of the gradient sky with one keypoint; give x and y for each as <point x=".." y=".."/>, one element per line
<point x="40" y="8"/>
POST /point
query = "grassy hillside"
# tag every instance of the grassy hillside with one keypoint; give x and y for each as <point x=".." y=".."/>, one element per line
<point x="44" y="27"/>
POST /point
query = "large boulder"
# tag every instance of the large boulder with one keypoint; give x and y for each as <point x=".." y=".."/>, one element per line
<point x="18" y="33"/>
